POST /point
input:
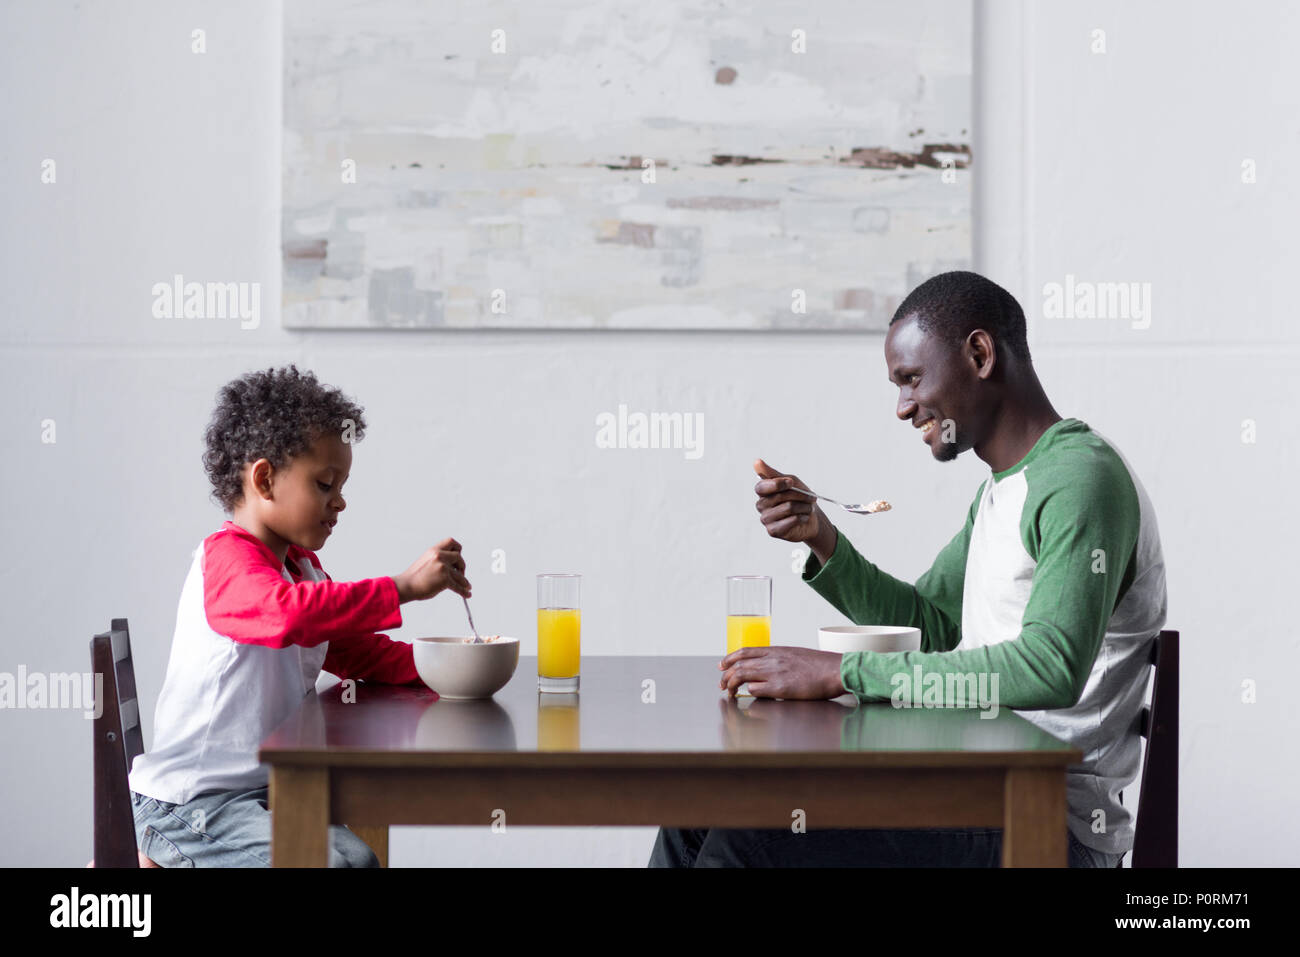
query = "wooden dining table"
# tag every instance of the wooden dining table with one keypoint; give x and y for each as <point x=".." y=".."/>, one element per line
<point x="654" y="741"/>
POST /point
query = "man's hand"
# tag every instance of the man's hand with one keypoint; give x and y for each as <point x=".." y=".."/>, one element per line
<point x="791" y="516"/>
<point x="783" y="673"/>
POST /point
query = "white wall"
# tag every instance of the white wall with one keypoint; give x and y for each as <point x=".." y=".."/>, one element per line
<point x="1123" y="166"/>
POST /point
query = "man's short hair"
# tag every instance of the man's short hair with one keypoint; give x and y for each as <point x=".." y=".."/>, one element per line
<point x="952" y="304"/>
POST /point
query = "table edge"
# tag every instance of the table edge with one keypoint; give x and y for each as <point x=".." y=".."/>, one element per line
<point x="667" y="760"/>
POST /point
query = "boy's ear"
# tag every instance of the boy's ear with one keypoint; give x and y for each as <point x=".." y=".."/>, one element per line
<point x="258" y="475"/>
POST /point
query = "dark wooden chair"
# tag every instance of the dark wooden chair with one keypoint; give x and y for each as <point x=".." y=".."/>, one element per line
<point x="118" y="739"/>
<point x="1155" y="841"/>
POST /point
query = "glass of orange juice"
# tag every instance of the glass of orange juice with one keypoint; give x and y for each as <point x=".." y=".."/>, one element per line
<point x="749" y="612"/>
<point x="559" y="626"/>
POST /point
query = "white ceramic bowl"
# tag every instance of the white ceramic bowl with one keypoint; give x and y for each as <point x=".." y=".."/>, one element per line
<point x="845" y="638"/>
<point x="461" y="671"/>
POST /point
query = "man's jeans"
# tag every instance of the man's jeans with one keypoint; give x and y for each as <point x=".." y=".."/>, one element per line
<point x="225" y="829"/>
<point x="915" y="847"/>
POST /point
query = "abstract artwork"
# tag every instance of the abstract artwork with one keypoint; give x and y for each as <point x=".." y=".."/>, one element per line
<point x="619" y="164"/>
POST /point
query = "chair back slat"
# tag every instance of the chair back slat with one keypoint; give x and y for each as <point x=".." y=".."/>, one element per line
<point x="124" y="667"/>
<point x="130" y="711"/>
<point x="121" y="639"/>
<point x="1155" y="843"/>
<point x="117" y="741"/>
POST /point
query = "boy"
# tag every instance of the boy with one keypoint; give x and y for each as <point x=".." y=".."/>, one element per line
<point x="259" y="619"/>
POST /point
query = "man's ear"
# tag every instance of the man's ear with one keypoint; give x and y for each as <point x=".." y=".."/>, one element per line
<point x="982" y="353"/>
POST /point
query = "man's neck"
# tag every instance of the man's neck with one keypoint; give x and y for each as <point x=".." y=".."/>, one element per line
<point x="1021" y="422"/>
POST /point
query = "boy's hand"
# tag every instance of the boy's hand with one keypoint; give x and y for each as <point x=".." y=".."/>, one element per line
<point x="440" y="567"/>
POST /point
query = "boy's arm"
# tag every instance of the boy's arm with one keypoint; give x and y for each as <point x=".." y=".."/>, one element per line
<point x="246" y="598"/>
<point x="369" y="657"/>
<point x="372" y="658"/>
<point x="869" y="596"/>
<point x="1082" y="537"/>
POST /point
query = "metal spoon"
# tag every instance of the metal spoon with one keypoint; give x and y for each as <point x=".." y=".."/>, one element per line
<point x="868" y="509"/>
<point x="477" y="639"/>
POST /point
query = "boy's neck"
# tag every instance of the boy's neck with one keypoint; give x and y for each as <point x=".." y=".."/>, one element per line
<point x="251" y="524"/>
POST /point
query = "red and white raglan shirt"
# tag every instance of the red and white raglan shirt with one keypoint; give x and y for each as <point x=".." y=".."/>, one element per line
<point x="252" y="635"/>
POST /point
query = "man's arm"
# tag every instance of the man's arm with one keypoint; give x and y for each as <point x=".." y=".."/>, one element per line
<point x="1082" y="536"/>
<point x="866" y="595"/>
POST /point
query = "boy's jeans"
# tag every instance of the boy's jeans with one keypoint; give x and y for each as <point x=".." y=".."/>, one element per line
<point x="225" y="829"/>
<point x="915" y="847"/>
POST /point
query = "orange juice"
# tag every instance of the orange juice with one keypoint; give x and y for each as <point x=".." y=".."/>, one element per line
<point x="557" y="642"/>
<point x="748" y="631"/>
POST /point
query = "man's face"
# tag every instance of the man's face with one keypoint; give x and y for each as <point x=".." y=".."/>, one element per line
<point x="935" y="385"/>
<point x="308" y="494"/>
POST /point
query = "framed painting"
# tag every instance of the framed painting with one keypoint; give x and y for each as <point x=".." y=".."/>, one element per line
<point x="601" y="164"/>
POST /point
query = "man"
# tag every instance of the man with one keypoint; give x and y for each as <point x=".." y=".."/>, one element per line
<point x="1055" y="585"/>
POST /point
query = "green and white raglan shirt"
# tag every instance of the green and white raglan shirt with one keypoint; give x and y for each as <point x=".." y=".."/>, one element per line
<point x="1056" y="584"/>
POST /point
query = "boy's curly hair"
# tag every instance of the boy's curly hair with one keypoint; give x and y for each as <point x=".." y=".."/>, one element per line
<point x="274" y="415"/>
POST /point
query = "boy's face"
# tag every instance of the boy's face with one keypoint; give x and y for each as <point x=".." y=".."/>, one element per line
<point x="305" y="497"/>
